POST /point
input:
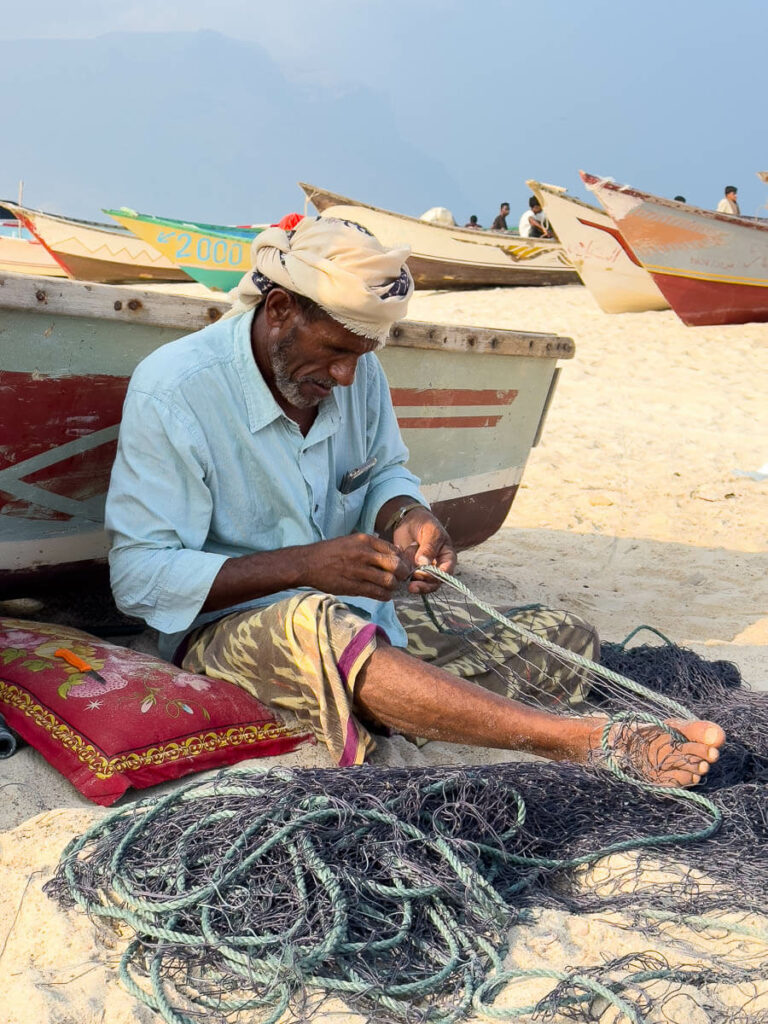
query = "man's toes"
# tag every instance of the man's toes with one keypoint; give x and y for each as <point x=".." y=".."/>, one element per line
<point x="708" y="733"/>
<point x="680" y="778"/>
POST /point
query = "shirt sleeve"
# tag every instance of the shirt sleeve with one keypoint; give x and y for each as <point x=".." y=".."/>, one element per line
<point x="390" y="477"/>
<point x="158" y="515"/>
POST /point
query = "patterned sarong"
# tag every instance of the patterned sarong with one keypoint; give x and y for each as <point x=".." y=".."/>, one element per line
<point x="304" y="654"/>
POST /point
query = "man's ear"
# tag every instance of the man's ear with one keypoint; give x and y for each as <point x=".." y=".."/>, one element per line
<point x="279" y="308"/>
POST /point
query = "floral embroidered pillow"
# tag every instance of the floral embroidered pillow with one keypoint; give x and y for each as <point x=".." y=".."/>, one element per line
<point x="109" y="718"/>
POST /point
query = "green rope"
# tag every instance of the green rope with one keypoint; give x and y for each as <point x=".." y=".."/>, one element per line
<point x="562" y="652"/>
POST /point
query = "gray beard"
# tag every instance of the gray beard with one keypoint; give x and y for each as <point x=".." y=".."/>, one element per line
<point x="291" y="389"/>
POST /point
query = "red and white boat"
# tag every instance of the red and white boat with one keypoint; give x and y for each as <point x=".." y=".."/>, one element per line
<point x="711" y="267"/>
<point x="470" y="402"/>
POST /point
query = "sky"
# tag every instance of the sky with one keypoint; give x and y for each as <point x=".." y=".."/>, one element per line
<point x="666" y="96"/>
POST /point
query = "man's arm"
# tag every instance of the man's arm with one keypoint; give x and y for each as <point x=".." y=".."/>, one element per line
<point x="358" y="565"/>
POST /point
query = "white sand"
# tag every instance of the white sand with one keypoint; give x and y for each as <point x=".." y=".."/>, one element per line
<point x="629" y="513"/>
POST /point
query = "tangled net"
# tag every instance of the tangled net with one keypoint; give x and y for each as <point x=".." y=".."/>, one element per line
<point x="254" y="895"/>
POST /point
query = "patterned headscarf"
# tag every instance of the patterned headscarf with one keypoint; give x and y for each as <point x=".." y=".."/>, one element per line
<point x="339" y="265"/>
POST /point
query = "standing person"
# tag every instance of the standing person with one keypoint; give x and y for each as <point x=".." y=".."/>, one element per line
<point x="262" y="517"/>
<point x="729" y="203"/>
<point x="472" y="222"/>
<point x="500" y="220"/>
<point x="533" y="223"/>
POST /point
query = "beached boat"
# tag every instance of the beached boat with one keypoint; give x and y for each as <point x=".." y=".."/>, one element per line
<point x="20" y="251"/>
<point x="21" y="255"/>
<point x="212" y="254"/>
<point x="96" y="252"/>
<point x="711" y="267"/>
<point x="600" y="255"/>
<point x="453" y="257"/>
<point x="470" y="402"/>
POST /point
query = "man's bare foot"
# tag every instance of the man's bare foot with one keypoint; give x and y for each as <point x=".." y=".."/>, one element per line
<point x="646" y="752"/>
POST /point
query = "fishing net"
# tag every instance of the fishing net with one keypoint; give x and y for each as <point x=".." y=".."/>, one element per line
<point x="410" y="894"/>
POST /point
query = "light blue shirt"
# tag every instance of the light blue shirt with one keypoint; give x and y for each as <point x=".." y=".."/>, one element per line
<point x="209" y="467"/>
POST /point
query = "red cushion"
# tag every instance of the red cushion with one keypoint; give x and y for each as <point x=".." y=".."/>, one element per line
<point x="144" y="721"/>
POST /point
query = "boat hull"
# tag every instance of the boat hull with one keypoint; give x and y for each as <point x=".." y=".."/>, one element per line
<point x="216" y="258"/>
<point x="66" y="354"/>
<point x="608" y="268"/>
<point x="27" y="256"/>
<point x="446" y="257"/>
<point x="712" y="268"/>
<point x="90" y="252"/>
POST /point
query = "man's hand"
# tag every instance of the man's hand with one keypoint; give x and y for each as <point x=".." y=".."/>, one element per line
<point x="357" y="565"/>
<point x="423" y="540"/>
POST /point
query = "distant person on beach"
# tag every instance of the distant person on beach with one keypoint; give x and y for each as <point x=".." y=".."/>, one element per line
<point x="729" y="204"/>
<point x="680" y="199"/>
<point x="262" y="518"/>
<point x="500" y="221"/>
<point x="533" y="223"/>
<point x="472" y="222"/>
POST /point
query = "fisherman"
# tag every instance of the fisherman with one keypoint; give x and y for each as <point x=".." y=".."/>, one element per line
<point x="500" y="220"/>
<point x="729" y="203"/>
<point x="533" y="223"/>
<point x="262" y="518"/>
<point x="472" y="222"/>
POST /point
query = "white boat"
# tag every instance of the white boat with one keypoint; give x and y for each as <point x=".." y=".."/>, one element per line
<point x="88" y="251"/>
<point x="470" y="403"/>
<point x="604" y="262"/>
<point x="20" y="251"/>
<point x="454" y="257"/>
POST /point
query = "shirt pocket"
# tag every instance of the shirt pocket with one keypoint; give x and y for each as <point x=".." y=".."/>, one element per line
<point x="350" y="506"/>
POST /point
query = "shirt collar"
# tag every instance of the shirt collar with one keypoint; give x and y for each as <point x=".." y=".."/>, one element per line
<point x="259" y="401"/>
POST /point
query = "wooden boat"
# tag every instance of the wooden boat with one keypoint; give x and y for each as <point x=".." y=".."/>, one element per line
<point x="214" y="255"/>
<point x="454" y="257"/>
<point x="470" y="402"/>
<point x="20" y="251"/>
<point x="711" y="267"/>
<point x="20" y="255"/>
<point x="96" y="252"/>
<point x="600" y="255"/>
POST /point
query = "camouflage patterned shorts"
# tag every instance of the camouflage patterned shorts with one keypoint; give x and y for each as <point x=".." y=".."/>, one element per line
<point x="304" y="654"/>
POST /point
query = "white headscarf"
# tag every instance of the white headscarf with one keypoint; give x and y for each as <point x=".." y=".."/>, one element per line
<point x="337" y="264"/>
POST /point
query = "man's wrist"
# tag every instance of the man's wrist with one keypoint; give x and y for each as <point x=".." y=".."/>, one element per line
<point x="399" y="515"/>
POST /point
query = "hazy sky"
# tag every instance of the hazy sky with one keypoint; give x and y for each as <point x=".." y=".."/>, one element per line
<point x="668" y="96"/>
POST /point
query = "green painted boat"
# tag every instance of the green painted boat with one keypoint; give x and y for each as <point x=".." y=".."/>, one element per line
<point x="213" y="254"/>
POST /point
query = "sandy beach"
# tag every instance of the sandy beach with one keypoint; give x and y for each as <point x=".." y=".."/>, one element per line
<point x="633" y="510"/>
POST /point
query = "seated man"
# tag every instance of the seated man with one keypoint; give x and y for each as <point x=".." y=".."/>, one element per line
<point x="262" y="516"/>
<point x="533" y="223"/>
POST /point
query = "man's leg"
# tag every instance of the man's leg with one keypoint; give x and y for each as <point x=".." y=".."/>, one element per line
<point x="450" y="635"/>
<point x="313" y="656"/>
<point x="397" y="690"/>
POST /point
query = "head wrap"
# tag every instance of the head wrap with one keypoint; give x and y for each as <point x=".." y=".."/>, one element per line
<point x="337" y="264"/>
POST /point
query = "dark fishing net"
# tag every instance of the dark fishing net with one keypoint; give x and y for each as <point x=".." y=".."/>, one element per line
<point x="409" y="893"/>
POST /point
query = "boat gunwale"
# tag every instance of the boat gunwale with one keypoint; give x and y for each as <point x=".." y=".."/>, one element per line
<point x="550" y="190"/>
<point x="130" y="304"/>
<point x="472" y="233"/>
<point x="94" y="225"/>
<point x="218" y="230"/>
<point x="592" y="182"/>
